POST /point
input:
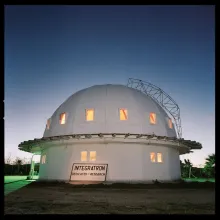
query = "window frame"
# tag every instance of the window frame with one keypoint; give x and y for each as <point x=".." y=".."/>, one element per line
<point x="161" y="157"/>
<point x="155" y="158"/>
<point x="43" y="159"/>
<point x="81" y="156"/>
<point x="170" y="123"/>
<point x="87" y="109"/>
<point x="90" y="155"/>
<point x="65" y="114"/>
<point x="48" y="123"/>
<point x="124" y="114"/>
<point x="155" y="118"/>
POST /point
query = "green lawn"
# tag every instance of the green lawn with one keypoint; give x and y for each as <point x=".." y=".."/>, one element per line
<point x="199" y="179"/>
<point x="8" y="179"/>
<point x="14" y="186"/>
<point x="13" y="183"/>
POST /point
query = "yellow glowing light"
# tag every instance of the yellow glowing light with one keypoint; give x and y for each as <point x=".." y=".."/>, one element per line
<point x="89" y="115"/>
<point x="123" y="114"/>
<point x="153" y="118"/>
<point x="92" y="155"/>
<point x="84" y="156"/>
<point x="62" y="118"/>
<point x="159" y="158"/>
<point x="153" y="157"/>
<point x="170" y="123"/>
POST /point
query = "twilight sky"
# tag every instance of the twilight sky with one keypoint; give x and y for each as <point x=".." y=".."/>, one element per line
<point x="53" y="51"/>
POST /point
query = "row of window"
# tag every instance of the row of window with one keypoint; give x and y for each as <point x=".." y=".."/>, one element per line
<point x="154" y="157"/>
<point x="123" y="115"/>
<point x="84" y="156"/>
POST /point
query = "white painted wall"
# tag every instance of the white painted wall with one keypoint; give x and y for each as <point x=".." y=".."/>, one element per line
<point x="126" y="161"/>
<point x="173" y="157"/>
<point x="106" y="100"/>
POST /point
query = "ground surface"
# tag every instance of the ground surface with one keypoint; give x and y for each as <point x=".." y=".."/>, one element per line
<point x="57" y="198"/>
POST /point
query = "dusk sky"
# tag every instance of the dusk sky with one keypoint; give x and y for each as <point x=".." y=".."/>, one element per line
<point x="53" y="51"/>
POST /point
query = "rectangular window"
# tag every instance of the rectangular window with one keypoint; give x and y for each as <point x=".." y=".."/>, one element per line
<point x="92" y="155"/>
<point x="153" y="157"/>
<point x="84" y="156"/>
<point x="48" y="124"/>
<point x="123" y="114"/>
<point x="89" y="114"/>
<point x="62" y="118"/>
<point x="170" y="123"/>
<point x="43" y="159"/>
<point x="153" y="118"/>
<point x="159" y="158"/>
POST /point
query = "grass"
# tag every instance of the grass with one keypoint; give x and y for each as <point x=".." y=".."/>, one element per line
<point x="14" y="183"/>
<point x="8" y="179"/>
<point x="199" y="179"/>
<point x="11" y="187"/>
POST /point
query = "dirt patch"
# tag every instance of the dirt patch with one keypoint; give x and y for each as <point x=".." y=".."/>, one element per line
<point x="57" y="198"/>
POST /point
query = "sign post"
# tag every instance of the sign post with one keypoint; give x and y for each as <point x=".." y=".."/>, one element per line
<point x="88" y="172"/>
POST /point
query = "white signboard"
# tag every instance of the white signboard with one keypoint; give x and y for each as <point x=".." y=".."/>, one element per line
<point x="88" y="172"/>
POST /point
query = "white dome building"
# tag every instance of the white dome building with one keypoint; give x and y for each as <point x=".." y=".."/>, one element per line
<point x="109" y="133"/>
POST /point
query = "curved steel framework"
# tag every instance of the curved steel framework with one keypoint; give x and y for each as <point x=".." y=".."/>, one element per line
<point x="162" y="98"/>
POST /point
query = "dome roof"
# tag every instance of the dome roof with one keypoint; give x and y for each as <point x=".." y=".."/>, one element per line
<point x="106" y="102"/>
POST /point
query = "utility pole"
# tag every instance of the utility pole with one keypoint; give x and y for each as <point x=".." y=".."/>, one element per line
<point x="190" y="171"/>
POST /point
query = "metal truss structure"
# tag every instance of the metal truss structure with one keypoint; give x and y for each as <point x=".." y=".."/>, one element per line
<point x="162" y="98"/>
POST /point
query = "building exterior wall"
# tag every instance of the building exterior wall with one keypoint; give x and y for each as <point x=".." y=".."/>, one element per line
<point x="173" y="157"/>
<point x="129" y="162"/>
<point x="106" y="100"/>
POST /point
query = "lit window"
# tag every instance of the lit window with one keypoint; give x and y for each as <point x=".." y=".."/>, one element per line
<point x="89" y="114"/>
<point x="123" y="114"/>
<point x="92" y="155"/>
<point x="62" y="118"/>
<point x="43" y="159"/>
<point x="153" y="157"/>
<point x="170" y="123"/>
<point x="48" y="124"/>
<point x="153" y="118"/>
<point x="159" y="158"/>
<point x="84" y="156"/>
